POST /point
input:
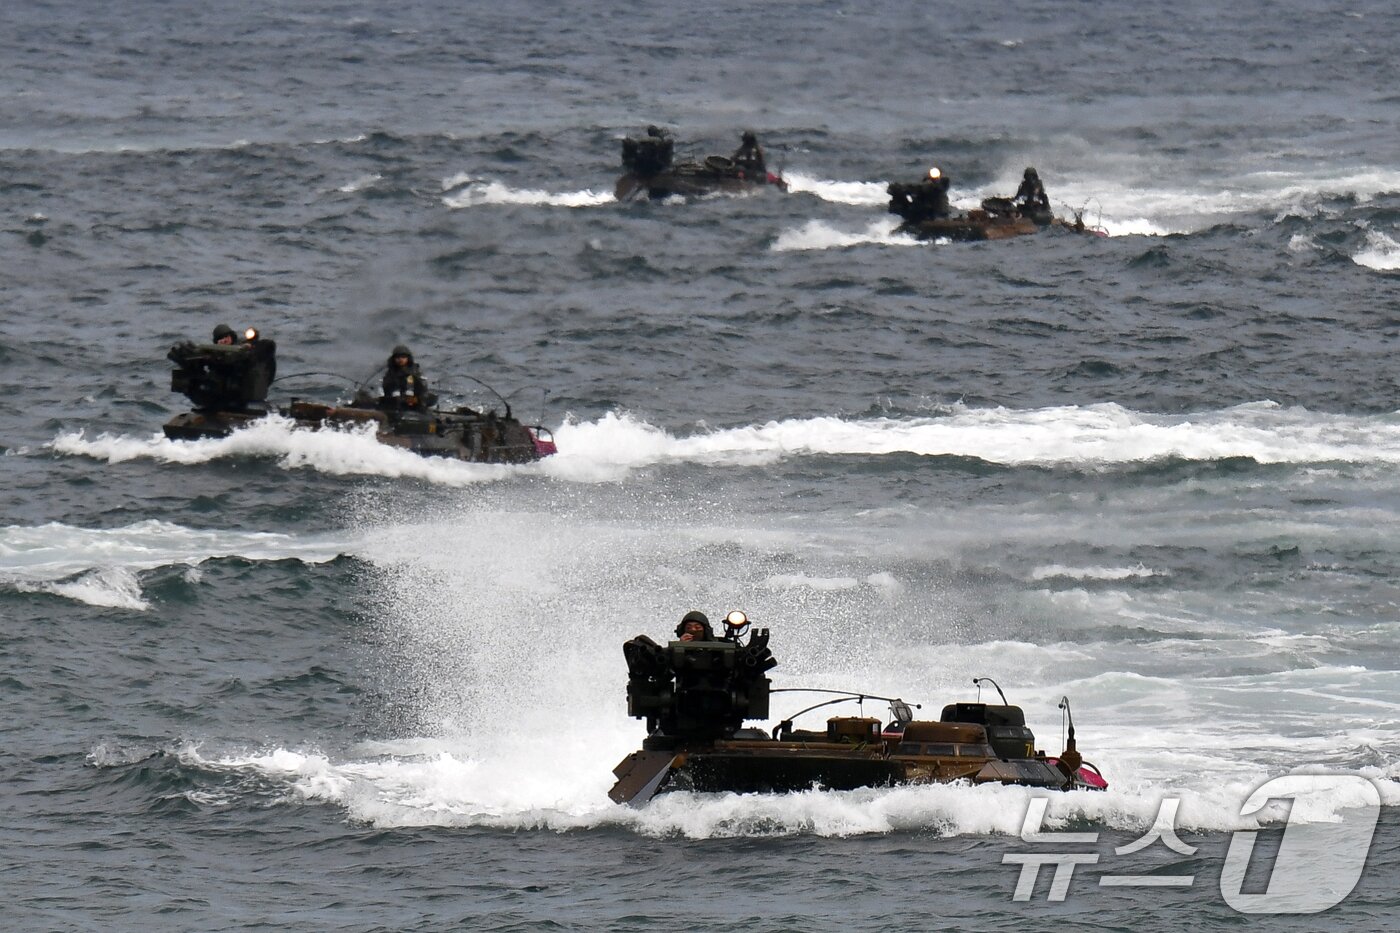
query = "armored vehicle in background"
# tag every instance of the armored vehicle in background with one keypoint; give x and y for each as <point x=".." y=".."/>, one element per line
<point x="696" y="696"/>
<point x="650" y="170"/>
<point x="228" y="385"/>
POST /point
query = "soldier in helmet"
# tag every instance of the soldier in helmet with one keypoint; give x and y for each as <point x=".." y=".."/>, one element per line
<point x="749" y="157"/>
<point x="1031" y="197"/>
<point x="224" y="336"/>
<point x="661" y="149"/>
<point x="404" y="385"/>
<point x="695" y="626"/>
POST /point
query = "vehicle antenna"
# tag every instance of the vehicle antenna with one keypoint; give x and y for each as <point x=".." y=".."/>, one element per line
<point x="845" y="693"/>
<point x="978" y="682"/>
<point x="374" y="372"/>
<point x="1066" y="715"/>
<point x="786" y="724"/>
<point x="313" y="373"/>
<point x="544" y="397"/>
<point x="1070" y="756"/>
<point x="491" y="390"/>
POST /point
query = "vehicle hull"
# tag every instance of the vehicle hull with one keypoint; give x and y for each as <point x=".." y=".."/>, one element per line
<point x="976" y="226"/>
<point x="802" y="763"/>
<point x="692" y="179"/>
<point x="460" y="435"/>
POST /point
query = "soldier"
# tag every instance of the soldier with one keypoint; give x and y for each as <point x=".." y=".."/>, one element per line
<point x="749" y="157"/>
<point x="1031" y="195"/>
<point x="224" y="336"/>
<point x="661" y="148"/>
<point x="695" y="626"/>
<point x="404" y="385"/>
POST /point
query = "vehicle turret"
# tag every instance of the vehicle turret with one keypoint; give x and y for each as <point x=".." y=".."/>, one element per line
<point x="648" y="155"/>
<point x="1006" y="727"/>
<point x="698" y="690"/>
<point x="224" y="377"/>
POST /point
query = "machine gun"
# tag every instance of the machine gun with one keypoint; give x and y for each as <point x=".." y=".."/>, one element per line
<point x="648" y="155"/>
<point x="217" y="377"/>
<point x="699" y="690"/>
<point x="919" y="201"/>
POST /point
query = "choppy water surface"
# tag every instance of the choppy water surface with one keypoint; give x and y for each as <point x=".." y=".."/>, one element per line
<point x="288" y="680"/>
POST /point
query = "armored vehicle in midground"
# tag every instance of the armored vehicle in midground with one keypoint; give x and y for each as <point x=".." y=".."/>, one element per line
<point x="924" y="208"/>
<point x="228" y="385"/>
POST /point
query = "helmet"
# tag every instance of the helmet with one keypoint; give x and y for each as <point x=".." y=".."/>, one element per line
<point x="749" y="138"/>
<point x="222" y="331"/>
<point x="935" y="173"/>
<point x="401" y="350"/>
<point x="696" y="615"/>
<point x="1030" y="173"/>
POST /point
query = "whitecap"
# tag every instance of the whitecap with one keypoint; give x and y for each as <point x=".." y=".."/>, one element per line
<point x="352" y="451"/>
<point x="611" y="446"/>
<point x="818" y="234"/>
<point x="465" y="191"/>
<point x="1381" y="252"/>
<point x="112" y="588"/>
<point x="359" y="184"/>
<point x="455" y="789"/>
<point x="1091" y="435"/>
<point x="101" y="566"/>
<point x="870" y="193"/>
<point x="1052" y="571"/>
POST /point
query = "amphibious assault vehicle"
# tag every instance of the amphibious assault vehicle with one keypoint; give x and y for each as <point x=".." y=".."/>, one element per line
<point x="923" y="206"/>
<point x="696" y="696"/>
<point x="228" y="385"/>
<point x="649" y="170"/>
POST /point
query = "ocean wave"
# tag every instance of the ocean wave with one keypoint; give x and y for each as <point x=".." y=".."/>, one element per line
<point x="869" y="193"/>
<point x="1381" y="252"/>
<point x="1054" y="571"/>
<point x="349" y="452"/>
<point x="465" y="191"/>
<point x="610" y="447"/>
<point x="359" y="184"/>
<point x="101" y="566"/>
<point x="442" y="786"/>
<point x="1090" y="436"/>
<point x="112" y="588"/>
<point x="1127" y="206"/>
<point x="818" y="234"/>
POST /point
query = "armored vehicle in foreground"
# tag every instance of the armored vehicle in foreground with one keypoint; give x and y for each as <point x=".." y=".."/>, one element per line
<point x="696" y="696"/>
<point x="650" y="170"/>
<point x="228" y="385"/>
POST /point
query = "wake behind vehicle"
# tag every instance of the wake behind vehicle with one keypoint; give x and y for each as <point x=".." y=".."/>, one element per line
<point x="228" y="385"/>
<point x="696" y="696"/>
<point x="650" y="170"/>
